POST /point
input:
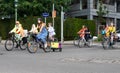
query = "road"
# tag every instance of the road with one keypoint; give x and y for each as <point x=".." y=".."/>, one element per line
<point x="71" y="60"/>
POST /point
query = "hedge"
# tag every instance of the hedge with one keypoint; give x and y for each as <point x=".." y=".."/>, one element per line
<point x="71" y="26"/>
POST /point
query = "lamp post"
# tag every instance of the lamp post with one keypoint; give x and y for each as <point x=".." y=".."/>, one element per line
<point x="16" y="5"/>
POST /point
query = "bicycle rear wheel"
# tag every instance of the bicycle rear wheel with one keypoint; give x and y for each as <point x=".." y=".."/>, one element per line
<point x="89" y="43"/>
<point x="81" y="43"/>
<point x="9" y="45"/>
<point x="47" y="49"/>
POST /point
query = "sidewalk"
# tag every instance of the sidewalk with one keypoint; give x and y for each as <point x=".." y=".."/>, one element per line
<point x="64" y="43"/>
<point x="71" y="43"/>
<point x="2" y="42"/>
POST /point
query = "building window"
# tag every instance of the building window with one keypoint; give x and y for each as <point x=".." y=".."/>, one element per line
<point x="84" y="4"/>
<point x="118" y="6"/>
<point x="95" y="3"/>
<point x="75" y="2"/>
<point x="110" y="2"/>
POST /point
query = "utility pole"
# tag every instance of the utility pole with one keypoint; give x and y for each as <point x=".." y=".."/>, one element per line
<point x="62" y="19"/>
<point x="53" y="13"/>
<point x="16" y="5"/>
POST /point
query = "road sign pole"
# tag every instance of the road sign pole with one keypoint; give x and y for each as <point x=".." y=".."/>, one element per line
<point x="45" y="20"/>
<point x="45" y="15"/>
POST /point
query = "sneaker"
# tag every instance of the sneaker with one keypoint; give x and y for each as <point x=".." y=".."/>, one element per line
<point x="45" y="45"/>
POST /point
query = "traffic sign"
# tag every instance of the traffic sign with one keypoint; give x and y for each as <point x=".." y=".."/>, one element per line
<point x="53" y="13"/>
<point x="45" y="14"/>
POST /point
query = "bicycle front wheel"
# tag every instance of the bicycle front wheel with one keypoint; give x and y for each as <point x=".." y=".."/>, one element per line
<point x="23" y="46"/>
<point x="75" y="41"/>
<point x="32" y="47"/>
<point x="9" y="45"/>
<point x="106" y="43"/>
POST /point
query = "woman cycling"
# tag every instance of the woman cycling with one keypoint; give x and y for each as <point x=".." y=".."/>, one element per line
<point x="42" y="34"/>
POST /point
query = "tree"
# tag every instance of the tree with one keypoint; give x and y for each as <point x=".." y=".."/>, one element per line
<point x="6" y="8"/>
<point x="101" y="12"/>
<point x="32" y="7"/>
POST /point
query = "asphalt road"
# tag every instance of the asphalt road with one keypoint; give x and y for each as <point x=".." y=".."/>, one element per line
<point x="71" y="60"/>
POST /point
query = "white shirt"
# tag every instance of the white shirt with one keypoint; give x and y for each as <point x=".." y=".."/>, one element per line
<point x="51" y="31"/>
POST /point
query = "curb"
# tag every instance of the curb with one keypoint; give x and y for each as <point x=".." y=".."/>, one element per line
<point x="64" y="43"/>
<point x="2" y="42"/>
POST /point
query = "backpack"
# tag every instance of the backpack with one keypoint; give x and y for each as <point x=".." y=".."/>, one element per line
<point x="103" y="32"/>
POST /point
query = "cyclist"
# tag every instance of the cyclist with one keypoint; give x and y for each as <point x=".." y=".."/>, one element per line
<point x="51" y="31"/>
<point x="33" y="29"/>
<point x="42" y="34"/>
<point x="107" y="31"/>
<point x="87" y="34"/>
<point x="112" y="31"/>
<point x="103" y="31"/>
<point x="112" y="28"/>
<point x="18" y="30"/>
<point x="81" y="32"/>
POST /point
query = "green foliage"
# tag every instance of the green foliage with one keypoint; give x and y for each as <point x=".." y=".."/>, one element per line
<point x="71" y="26"/>
<point x="32" y="7"/>
<point x="5" y="27"/>
<point x="100" y="37"/>
<point x="101" y="11"/>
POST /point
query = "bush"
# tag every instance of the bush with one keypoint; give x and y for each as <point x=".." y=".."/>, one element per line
<point x="71" y="26"/>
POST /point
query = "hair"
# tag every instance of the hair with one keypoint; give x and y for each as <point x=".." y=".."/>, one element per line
<point x="39" y="19"/>
<point x="50" y="24"/>
<point x="18" y="22"/>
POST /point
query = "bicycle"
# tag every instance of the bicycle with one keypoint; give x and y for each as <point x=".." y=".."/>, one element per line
<point x="108" y="42"/>
<point x="33" y="44"/>
<point x="83" y="42"/>
<point x="78" y="41"/>
<point x="12" y="41"/>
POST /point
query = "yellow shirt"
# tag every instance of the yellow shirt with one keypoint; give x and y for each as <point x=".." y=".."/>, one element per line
<point x="112" y="29"/>
<point x="18" y="30"/>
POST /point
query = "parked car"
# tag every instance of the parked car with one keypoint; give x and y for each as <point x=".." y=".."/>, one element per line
<point x="118" y="34"/>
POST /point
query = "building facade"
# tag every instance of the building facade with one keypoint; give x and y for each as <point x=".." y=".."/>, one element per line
<point x="87" y="9"/>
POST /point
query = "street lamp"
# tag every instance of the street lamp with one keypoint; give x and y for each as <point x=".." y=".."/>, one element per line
<point x="16" y="5"/>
